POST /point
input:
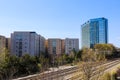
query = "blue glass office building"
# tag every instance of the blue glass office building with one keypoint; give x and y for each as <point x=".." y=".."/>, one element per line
<point x="94" y="31"/>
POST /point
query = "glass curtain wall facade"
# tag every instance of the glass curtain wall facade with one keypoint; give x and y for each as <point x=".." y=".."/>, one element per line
<point x="94" y="31"/>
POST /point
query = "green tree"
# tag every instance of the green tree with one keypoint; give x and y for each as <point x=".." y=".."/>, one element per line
<point x="88" y="55"/>
<point x="105" y="49"/>
<point x="88" y="66"/>
<point x="106" y="76"/>
<point x="8" y="65"/>
<point x="28" y="65"/>
<point x="79" y="54"/>
<point x="44" y="63"/>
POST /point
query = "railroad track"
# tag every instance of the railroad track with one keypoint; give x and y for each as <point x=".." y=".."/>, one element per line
<point x="60" y="74"/>
<point x="107" y="66"/>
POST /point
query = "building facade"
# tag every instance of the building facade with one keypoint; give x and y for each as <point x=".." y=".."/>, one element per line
<point x="71" y="44"/>
<point x="41" y="44"/>
<point x="55" y="46"/>
<point x="25" y="43"/>
<point x="63" y="46"/>
<point x="94" y="31"/>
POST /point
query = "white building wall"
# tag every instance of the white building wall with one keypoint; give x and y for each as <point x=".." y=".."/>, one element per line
<point x="71" y="44"/>
<point x="29" y="42"/>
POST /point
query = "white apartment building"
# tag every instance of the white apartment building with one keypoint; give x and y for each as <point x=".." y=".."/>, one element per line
<point x="25" y="43"/>
<point x="71" y="44"/>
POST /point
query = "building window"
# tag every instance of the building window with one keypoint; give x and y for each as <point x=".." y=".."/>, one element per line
<point x="16" y="46"/>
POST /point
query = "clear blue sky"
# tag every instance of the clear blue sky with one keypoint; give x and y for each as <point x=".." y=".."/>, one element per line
<point x="58" y="18"/>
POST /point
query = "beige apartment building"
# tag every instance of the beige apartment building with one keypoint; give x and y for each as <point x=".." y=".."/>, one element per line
<point x="58" y="46"/>
<point x="63" y="46"/>
<point x="55" y="46"/>
<point x="46" y="44"/>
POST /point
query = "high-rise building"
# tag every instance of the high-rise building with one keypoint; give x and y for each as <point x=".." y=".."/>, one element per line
<point x="55" y="46"/>
<point x="71" y="44"/>
<point x="94" y="31"/>
<point x="25" y="43"/>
